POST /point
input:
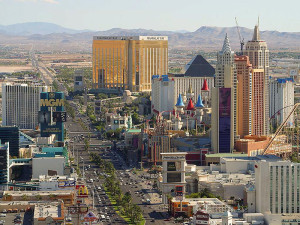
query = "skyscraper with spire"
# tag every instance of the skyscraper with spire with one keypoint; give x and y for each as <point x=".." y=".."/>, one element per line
<point x="258" y="53"/>
<point x="224" y="101"/>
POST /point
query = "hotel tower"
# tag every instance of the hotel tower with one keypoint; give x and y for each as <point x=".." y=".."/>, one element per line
<point x="224" y="102"/>
<point x="258" y="53"/>
<point x="128" y="63"/>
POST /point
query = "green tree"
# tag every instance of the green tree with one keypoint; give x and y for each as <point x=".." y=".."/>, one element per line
<point x="25" y="197"/>
<point x="38" y="197"/>
<point x="135" y="118"/>
<point x="86" y="144"/>
<point x="102" y="96"/>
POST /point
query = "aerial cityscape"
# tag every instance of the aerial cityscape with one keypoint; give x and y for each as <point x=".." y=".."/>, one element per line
<point x="129" y="117"/>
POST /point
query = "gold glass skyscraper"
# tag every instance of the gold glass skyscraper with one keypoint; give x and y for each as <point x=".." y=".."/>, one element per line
<point x="128" y="63"/>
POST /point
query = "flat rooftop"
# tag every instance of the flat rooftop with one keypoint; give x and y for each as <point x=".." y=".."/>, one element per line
<point x="43" y="210"/>
<point x="34" y="193"/>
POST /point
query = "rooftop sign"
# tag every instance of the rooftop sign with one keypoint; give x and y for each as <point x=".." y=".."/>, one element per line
<point x="145" y="38"/>
<point x="173" y="157"/>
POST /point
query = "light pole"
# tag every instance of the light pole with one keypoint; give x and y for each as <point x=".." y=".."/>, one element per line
<point x="82" y="167"/>
<point x="93" y="199"/>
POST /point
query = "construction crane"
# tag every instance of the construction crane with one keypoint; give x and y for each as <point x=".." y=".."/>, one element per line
<point x="242" y="43"/>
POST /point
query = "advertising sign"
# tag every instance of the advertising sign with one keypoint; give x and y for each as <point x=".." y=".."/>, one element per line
<point x="171" y="166"/>
<point x="52" y="102"/>
<point x="44" y="117"/>
<point x="66" y="183"/>
<point x="59" y="116"/>
<point x="173" y="157"/>
<point x="82" y="192"/>
<point x="224" y="119"/>
<point x="79" y="186"/>
<point x="52" y="130"/>
<point x="90" y="216"/>
<point x="224" y="102"/>
<point x="173" y="177"/>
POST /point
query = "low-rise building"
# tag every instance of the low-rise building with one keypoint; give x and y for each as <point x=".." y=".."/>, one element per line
<point x="55" y="183"/>
<point x="116" y="121"/>
<point x="43" y="212"/>
<point x="48" y="166"/>
<point x="68" y="197"/>
<point x="213" y="206"/>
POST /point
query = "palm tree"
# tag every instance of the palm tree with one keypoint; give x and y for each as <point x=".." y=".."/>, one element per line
<point x="25" y="197"/>
<point x="126" y="201"/>
<point x="38" y="197"/>
<point x="6" y="197"/>
<point x="136" y="214"/>
<point x="118" y="195"/>
<point x="52" y="196"/>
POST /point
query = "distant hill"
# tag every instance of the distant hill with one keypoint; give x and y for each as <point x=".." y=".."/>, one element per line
<point x="205" y="37"/>
<point x="24" y="29"/>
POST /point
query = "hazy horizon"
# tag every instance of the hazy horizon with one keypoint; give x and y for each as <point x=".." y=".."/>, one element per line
<point x="157" y="15"/>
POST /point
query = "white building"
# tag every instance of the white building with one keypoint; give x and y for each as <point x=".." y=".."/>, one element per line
<point x="116" y="121"/>
<point x="281" y="99"/>
<point x="20" y="104"/>
<point x="78" y="81"/>
<point x="42" y="166"/>
<point x="183" y="83"/>
<point x="162" y="94"/>
<point x="173" y="173"/>
<point x="277" y="186"/>
<point x="197" y="71"/>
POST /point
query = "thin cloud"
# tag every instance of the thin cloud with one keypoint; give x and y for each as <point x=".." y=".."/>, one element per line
<point x="47" y="1"/>
<point x="51" y="1"/>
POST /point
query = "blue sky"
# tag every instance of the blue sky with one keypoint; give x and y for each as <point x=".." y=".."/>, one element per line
<point x="154" y="14"/>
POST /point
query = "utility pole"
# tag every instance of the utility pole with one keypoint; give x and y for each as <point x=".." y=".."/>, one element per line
<point x="93" y="199"/>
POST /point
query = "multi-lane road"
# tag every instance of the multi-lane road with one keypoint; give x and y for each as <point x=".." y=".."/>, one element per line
<point x="138" y="185"/>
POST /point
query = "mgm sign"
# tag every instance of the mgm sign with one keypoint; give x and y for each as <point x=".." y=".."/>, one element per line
<point x="52" y="114"/>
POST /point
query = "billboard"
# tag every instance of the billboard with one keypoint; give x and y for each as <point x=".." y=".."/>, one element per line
<point x="173" y="177"/>
<point x="66" y="183"/>
<point x="59" y="116"/>
<point x="52" y="103"/>
<point x="224" y="119"/>
<point x="171" y="166"/>
<point x="44" y="117"/>
<point x="83" y="192"/>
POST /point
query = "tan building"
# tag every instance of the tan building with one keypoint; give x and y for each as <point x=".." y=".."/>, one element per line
<point x="244" y="96"/>
<point x="68" y="197"/>
<point x="124" y="62"/>
<point x="258" y="53"/>
<point x="252" y="145"/>
<point x="258" y="113"/>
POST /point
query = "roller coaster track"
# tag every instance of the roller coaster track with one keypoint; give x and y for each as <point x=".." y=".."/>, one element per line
<point x="279" y="129"/>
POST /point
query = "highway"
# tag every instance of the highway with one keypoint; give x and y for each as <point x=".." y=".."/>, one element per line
<point x="47" y="75"/>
